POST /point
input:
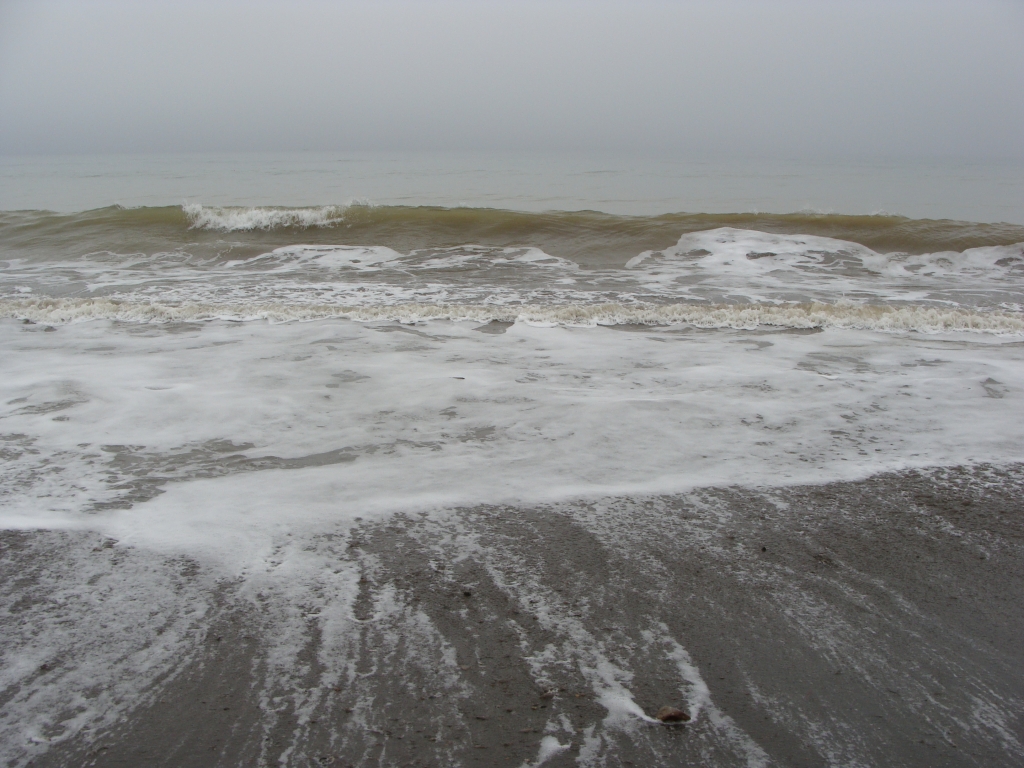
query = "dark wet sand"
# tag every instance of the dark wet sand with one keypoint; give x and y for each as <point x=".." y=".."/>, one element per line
<point x="871" y="623"/>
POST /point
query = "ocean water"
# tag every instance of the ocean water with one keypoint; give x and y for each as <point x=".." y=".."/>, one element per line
<point x="224" y="375"/>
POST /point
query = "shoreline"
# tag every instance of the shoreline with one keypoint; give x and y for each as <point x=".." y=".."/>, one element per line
<point x="873" y="622"/>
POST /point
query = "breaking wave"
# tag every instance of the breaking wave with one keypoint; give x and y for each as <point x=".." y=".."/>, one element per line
<point x="749" y="253"/>
<point x="571" y="234"/>
<point x="736" y="316"/>
<point x="245" y="219"/>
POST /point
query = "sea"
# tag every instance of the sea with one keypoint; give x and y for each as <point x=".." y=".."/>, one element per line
<point x="223" y="357"/>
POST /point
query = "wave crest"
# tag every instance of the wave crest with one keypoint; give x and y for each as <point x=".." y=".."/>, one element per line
<point x="247" y="219"/>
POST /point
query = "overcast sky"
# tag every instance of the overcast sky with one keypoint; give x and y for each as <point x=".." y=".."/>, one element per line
<point x="766" y="78"/>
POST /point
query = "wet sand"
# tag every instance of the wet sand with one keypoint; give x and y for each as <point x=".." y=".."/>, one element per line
<point x="865" y="623"/>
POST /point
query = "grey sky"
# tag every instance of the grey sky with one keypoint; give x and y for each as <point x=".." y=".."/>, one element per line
<point x="754" y="78"/>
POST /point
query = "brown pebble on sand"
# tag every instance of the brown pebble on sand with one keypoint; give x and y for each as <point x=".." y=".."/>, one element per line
<point x="672" y="715"/>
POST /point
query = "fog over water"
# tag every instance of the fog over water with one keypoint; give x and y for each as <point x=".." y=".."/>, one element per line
<point x="823" y="79"/>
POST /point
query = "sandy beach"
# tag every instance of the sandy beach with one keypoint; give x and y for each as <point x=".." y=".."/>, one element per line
<point x="858" y="623"/>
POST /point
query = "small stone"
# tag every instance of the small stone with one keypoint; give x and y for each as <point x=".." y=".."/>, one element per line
<point x="467" y="593"/>
<point x="672" y="715"/>
<point x="549" y="693"/>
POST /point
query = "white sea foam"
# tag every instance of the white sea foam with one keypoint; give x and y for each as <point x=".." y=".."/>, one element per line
<point x="846" y="315"/>
<point x="540" y="412"/>
<point x="303" y="257"/>
<point x="740" y="251"/>
<point x="298" y="258"/>
<point x="726" y="263"/>
<point x="261" y="437"/>
<point x="549" y="747"/>
<point x="241" y="219"/>
<point x="750" y="253"/>
<point x="716" y="267"/>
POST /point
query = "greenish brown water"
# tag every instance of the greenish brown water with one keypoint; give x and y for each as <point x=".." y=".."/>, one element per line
<point x="589" y="238"/>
